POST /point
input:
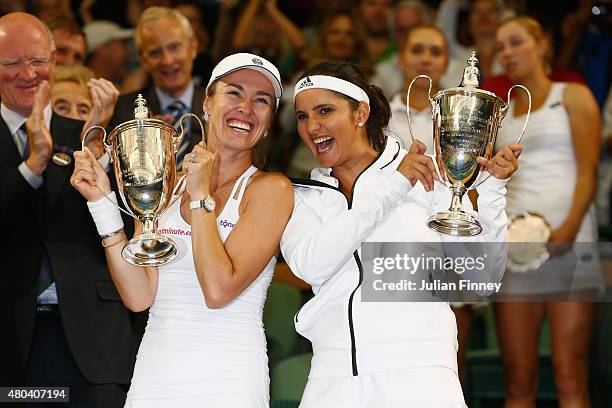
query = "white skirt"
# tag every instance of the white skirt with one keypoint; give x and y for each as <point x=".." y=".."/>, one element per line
<point x="427" y="387"/>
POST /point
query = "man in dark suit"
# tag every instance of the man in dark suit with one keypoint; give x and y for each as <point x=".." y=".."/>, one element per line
<point x="63" y="323"/>
<point x="167" y="48"/>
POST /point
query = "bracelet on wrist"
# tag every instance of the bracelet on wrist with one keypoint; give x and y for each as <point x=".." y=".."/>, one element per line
<point x="113" y="239"/>
<point x="111" y="234"/>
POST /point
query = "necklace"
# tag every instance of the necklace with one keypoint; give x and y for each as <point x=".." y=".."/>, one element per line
<point x="225" y="185"/>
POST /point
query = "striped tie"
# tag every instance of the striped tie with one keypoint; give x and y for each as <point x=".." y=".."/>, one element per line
<point x="178" y="109"/>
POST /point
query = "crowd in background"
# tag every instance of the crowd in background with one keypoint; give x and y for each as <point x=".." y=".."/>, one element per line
<point x="298" y="34"/>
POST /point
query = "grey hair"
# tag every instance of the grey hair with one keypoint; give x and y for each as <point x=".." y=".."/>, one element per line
<point x="156" y="13"/>
<point x="51" y="38"/>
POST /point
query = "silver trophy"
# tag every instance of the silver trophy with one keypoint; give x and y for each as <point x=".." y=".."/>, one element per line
<point x="528" y="233"/>
<point x="465" y="123"/>
<point x="143" y="153"/>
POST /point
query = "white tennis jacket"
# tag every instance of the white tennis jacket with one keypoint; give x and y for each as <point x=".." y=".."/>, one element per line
<point x="321" y="244"/>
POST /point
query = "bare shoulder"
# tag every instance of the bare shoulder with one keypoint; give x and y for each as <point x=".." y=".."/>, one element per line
<point x="268" y="184"/>
<point x="578" y="96"/>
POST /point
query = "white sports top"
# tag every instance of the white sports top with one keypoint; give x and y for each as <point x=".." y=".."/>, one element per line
<point x="421" y="121"/>
<point x="546" y="177"/>
<point x="545" y="183"/>
<point x="190" y="350"/>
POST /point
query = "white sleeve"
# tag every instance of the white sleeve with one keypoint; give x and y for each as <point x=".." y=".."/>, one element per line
<point x="315" y="249"/>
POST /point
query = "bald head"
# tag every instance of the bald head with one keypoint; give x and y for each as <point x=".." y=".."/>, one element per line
<point x="12" y="21"/>
<point x="26" y="59"/>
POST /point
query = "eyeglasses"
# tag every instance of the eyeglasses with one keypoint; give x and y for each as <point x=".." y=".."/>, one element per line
<point x="35" y="63"/>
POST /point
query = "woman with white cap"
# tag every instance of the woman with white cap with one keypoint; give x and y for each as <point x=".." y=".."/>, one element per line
<point x="382" y="353"/>
<point x="204" y="345"/>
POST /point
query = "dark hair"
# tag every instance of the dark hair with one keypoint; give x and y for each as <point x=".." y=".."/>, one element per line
<point x="380" y="111"/>
<point x="261" y="148"/>
<point x="360" y="53"/>
<point x="67" y="24"/>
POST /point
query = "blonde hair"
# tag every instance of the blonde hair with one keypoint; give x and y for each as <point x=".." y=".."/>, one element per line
<point x="154" y="14"/>
<point x="77" y="74"/>
<point x="535" y="31"/>
<point x="533" y="27"/>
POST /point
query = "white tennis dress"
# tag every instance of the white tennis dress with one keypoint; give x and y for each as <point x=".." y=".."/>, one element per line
<point x="194" y="356"/>
<point x="545" y="183"/>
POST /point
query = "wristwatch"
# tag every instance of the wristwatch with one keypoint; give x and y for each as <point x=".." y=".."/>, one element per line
<point x="207" y="203"/>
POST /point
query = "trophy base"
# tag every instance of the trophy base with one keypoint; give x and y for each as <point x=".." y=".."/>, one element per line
<point x="149" y="250"/>
<point x="455" y="223"/>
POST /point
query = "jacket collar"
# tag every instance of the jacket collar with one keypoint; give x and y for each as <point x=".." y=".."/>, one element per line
<point x="387" y="159"/>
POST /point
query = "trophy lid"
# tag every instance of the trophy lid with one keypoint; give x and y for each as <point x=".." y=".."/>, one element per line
<point x="471" y="73"/>
<point x="141" y="111"/>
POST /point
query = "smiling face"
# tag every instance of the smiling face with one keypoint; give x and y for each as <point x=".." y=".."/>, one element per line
<point x="518" y="51"/>
<point x="26" y="59"/>
<point x="240" y="108"/>
<point x="167" y="53"/>
<point x="329" y="126"/>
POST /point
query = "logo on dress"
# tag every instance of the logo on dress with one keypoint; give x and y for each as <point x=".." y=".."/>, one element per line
<point x="173" y="231"/>
<point x="226" y="224"/>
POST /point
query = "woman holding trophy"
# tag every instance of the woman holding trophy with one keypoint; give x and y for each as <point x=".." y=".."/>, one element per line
<point x="383" y="354"/>
<point x="426" y="53"/>
<point x="557" y="179"/>
<point x="204" y="344"/>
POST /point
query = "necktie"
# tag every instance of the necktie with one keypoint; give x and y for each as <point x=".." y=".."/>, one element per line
<point x="22" y="134"/>
<point x="45" y="276"/>
<point x="178" y="109"/>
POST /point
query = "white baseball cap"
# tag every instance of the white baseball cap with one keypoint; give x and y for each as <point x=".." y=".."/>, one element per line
<point x="245" y="60"/>
<point x="99" y="32"/>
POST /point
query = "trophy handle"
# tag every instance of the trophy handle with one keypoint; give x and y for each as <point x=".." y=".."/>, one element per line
<point x="107" y="146"/>
<point x="507" y="105"/>
<point x="108" y="149"/>
<point x="431" y="102"/>
<point x="178" y="139"/>
<point x="179" y="189"/>
<point x="504" y="111"/>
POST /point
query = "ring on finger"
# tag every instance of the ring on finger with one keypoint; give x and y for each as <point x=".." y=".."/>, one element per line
<point x="192" y="157"/>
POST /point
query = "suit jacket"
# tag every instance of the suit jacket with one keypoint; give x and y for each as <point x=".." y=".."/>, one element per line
<point x="124" y="109"/>
<point x="54" y="218"/>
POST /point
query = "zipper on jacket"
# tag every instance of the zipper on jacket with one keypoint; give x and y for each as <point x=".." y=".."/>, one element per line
<point x="349" y="202"/>
<point x="360" y="268"/>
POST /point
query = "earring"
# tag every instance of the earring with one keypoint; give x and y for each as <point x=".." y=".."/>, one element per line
<point x="360" y="124"/>
<point x="206" y="117"/>
<point x="265" y="133"/>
